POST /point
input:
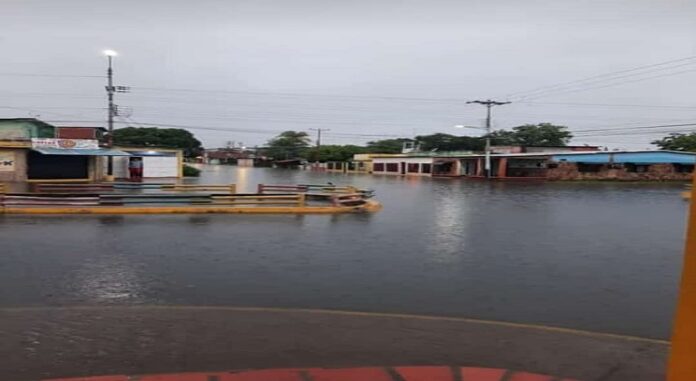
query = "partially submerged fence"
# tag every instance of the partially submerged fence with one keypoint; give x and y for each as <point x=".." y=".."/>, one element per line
<point x="114" y="199"/>
<point x="110" y="187"/>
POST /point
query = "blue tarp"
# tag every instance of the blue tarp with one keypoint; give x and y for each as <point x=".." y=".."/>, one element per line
<point x="82" y="152"/>
<point x="629" y="157"/>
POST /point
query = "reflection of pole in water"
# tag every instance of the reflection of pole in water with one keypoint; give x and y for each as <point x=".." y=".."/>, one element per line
<point x="111" y="220"/>
<point x="199" y="220"/>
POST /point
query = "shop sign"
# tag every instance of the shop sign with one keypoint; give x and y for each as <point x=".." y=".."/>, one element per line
<point x="65" y="143"/>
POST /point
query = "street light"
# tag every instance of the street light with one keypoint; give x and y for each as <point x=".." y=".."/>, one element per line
<point x="463" y="126"/>
<point x="110" y="53"/>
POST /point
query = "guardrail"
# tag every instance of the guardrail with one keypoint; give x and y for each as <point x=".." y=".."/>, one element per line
<point x="37" y="199"/>
<point x="296" y="199"/>
<point x="30" y="200"/>
<point x="231" y="188"/>
<point x="349" y="199"/>
<point x="58" y="187"/>
<point x="275" y="188"/>
<point x="109" y="187"/>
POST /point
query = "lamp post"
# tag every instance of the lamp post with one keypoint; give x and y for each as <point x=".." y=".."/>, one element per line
<point x="110" y="54"/>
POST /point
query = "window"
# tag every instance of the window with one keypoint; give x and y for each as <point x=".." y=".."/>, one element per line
<point x="378" y="167"/>
<point x="338" y="165"/>
<point x="584" y="167"/>
<point x="330" y="165"/>
<point x="413" y="168"/>
<point x="636" y="168"/>
<point x="392" y="167"/>
<point x="683" y="168"/>
<point x="425" y="168"/>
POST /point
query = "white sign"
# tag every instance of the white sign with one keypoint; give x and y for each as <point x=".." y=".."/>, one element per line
<point x="7" y="161"/>
<point x="64" y="143"/>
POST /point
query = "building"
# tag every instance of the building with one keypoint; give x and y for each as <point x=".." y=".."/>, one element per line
<point x="158" y="163"/>
<point x="30" y="152"/>
<point x="545" y="165"/>
<point x="405" y="165"/>
<point x="33" y="151"/>
<point x="95" y="133"/>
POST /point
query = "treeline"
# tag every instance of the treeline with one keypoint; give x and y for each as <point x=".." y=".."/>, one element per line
<point x="296" y="144"/>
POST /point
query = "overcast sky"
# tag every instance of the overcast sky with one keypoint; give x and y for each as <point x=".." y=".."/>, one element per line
<point x="244" y="70"/>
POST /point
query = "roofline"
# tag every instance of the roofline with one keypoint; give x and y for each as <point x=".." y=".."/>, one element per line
<point x="541" y="154"/>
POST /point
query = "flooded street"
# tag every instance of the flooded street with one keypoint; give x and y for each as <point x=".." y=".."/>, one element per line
<point x="596" y="256"/>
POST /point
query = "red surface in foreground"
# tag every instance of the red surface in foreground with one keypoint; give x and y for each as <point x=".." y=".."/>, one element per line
<point x="401" y="373"/>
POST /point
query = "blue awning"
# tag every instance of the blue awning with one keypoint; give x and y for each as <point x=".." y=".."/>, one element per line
<point x="82" y="152"/>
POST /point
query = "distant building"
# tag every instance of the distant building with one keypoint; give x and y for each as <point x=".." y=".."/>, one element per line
<point x="539" y="163"/>
<point x="228" y="156"/>
<point x="95" y="133"/>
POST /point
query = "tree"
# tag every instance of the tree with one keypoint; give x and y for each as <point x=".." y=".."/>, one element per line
<point x="158" y="137"/>
<point x="543" y="134"/>
<point x="288" y="145"/>
<point x="333" y="152"/>
<point x="677" y="142"/>
<point x="387" y="145"/>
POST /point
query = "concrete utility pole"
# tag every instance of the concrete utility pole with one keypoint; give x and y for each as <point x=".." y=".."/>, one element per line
<point x="319" y="130"/>
<point x="488" y="103"/>
<point x="112" y="109"/>
<point x="111" y="112"/>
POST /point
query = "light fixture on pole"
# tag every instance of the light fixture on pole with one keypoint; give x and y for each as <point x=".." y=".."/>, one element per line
<point x="488" y="103"/>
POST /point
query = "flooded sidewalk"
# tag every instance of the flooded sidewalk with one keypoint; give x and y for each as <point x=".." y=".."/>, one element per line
<point x="41" y="343"/>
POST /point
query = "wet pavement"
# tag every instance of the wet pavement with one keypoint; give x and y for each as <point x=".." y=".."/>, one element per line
<point x="67" y="342"/>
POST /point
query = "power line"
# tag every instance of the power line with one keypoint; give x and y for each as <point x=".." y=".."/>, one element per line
<point x="303" y="95"/>
<point x="50" y="75"/>
<point x="594" y="77"/>
<point x="619" y="105"/>
<point x="607" y="85"/>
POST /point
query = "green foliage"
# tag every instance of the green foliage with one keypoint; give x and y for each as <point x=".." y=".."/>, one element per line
<point x="677" y="142"/>
<point x="332" y="153"/>
<point x="387" y="145"/>
<point x="543" y="134"/>
<point x="158" y="137"/>
<point x="190" y="171"/>
<point x="288" y="145"/>
<point x="447" y="142"/>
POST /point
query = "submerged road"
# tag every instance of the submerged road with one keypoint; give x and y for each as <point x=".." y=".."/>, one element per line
<point x="102" y="294"/>
<point x="62" y="342"/>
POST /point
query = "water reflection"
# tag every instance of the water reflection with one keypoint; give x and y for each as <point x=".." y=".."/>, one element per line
<point x="574" y="255"/>
<point x="107" y="280"/>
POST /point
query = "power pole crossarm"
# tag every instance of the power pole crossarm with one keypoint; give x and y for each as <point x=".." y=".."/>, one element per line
<point x="488" y="103"/>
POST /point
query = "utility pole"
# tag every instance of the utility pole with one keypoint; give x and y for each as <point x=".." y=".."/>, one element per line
<point x="110" y="94"/>
<point x="488" y="103"/>
<point x="112" y="109"/>
<point x="319" y="130"/>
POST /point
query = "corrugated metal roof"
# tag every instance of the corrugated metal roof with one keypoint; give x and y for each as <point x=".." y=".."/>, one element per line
<point x="645" y="157"/>
<point x="81" y="152"/>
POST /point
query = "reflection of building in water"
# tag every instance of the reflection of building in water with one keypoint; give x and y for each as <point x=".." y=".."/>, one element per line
<point x="450" y="230"/>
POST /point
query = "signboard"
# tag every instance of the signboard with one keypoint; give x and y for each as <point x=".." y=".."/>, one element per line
<point x="65" y="143"/>
<point x="7" y="161"/>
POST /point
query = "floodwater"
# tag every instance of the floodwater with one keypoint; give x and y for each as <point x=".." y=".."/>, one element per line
<point x="597" y="256"/>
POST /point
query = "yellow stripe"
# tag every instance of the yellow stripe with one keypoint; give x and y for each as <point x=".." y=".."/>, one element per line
<point x="682" y="361"/>
<point x="506" y="324"/>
